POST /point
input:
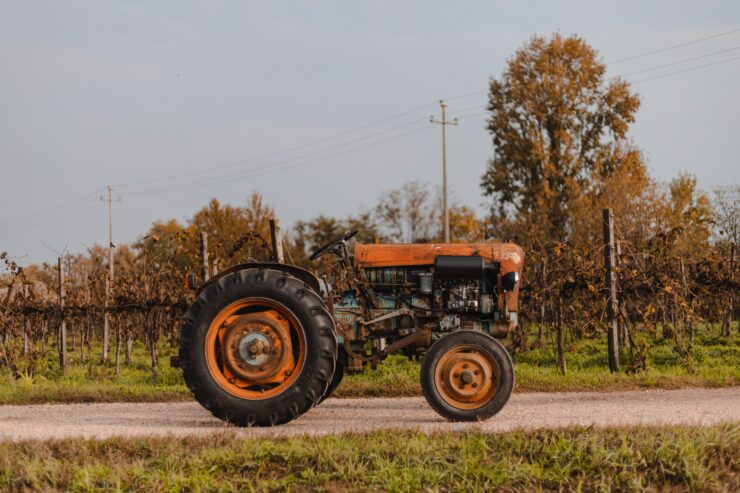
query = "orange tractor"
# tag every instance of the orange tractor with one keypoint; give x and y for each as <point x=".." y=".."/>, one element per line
<point x="265" y="342"/>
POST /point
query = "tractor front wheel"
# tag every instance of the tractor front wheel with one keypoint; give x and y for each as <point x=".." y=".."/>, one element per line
<point x="467" y="376"/>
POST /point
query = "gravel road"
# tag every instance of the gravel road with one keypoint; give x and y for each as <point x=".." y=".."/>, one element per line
<point x="524" y="411"/>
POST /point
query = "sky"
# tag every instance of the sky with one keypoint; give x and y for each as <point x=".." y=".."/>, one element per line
<point x="319" y="106"/>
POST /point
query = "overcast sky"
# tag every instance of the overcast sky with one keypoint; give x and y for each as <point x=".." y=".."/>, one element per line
<point x="173" y="103"/>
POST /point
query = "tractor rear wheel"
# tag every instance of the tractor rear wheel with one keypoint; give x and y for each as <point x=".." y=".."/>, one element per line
<point x="467" y="376"/>
<point x="339" y="372"/>
<point x="258" y="347"/>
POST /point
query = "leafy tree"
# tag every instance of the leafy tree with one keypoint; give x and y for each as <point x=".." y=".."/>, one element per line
<point x="557" y="126"/>
<point x="727" y="215"/>
<point x="408" y="214"/>
<point x="688" y="216"/>
<point x="465" y="225"/>
<point x="226" y="224"/>
<point x="308" y="236"/>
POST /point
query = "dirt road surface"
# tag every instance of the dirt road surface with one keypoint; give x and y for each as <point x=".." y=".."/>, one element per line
<point x="524" y="411"/>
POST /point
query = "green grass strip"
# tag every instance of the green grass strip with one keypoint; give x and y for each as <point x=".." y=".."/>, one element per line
<point x="584" y="459"/>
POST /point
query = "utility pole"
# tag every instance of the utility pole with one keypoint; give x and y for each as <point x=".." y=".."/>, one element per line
<point x="444" y="122"/>
<point x="109" y="279"/>
<point x="62" y="321"/>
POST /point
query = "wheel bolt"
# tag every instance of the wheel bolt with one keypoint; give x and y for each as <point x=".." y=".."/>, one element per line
<point x="232" y="380"/>
<point x="475" y="385"/>
<point x="477" y="372"/>
<point x="288" y="373"/>
<point x="465" y="365"/>
<point x="456" y="375"/>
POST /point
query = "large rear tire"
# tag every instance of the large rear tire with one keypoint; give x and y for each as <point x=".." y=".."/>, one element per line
<point x="258" y="348"/>
<point x="467" y="376"/>
<point x="339" y="372"/>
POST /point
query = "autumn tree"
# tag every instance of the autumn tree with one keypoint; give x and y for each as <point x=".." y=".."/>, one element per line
<point x="688" y="216"/>
<point x="557" y="125"/>
<point x="408" y="214"/>
<point x="727" y="215"/>
<point x="226" y="224"/>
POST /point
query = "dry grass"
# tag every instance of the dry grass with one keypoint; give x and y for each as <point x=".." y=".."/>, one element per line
<point x="677" y="458"/>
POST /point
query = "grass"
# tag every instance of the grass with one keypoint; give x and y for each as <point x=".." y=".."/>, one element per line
<point x="713" y="362"/>
<point x="95" y="381"/>
<point x="640" y="459"/>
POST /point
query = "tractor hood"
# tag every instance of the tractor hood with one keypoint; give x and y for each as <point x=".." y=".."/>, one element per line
<point x="509" y="255"/>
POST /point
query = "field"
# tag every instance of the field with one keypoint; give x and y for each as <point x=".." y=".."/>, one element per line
<point x="699" y="459"/>
<point x="714" y="362"/>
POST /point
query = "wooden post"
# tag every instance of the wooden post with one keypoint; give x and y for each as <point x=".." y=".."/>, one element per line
<point x="26" y="322"/>
<point x="277" y="241"/>
<point x="106" y="322"/>
<point x="204" y="255"/>
<point x="611" y="287"/>
<point x="63" y="325"/>
<point x="562" y="365"/>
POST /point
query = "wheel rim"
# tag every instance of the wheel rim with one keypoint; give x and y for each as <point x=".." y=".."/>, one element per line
<point x="255" y="348"/>
<point x="467" y="377"/>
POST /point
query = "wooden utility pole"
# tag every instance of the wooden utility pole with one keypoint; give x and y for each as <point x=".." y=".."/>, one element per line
<point x="63" y="324"/>
<point x="204" y="255"/>
<point x="611" y="287"/>
<point x="109" y="280"/>
<point x="277" y="241"/>
<point x="446" y="211"/>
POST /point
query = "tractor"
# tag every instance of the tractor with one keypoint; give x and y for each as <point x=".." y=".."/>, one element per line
<point x="264" y="342"/>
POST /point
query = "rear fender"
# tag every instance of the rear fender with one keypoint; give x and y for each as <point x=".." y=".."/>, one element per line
<point x="307" y="277"/>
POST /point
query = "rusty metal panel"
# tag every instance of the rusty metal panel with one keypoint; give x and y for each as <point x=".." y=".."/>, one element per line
<point x="509" y="256"/>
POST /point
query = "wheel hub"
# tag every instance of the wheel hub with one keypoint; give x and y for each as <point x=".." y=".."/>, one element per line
<point x="256" y="348"/>
<point x="466" y="378"/>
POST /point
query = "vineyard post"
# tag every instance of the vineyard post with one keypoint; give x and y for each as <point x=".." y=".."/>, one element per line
<point x="204" y="255"/>
<point x="106" y="323"/>
<point x="277" y="241"/>
<point x="63" y="324"/>
<point x="26" y="322"/>
<point x="611" y="287"/>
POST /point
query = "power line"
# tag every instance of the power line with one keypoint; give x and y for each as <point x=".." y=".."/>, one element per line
<point x="249" y="171"/>
<point x="278" y="153"/>
<point x="313" y="153"/>
<point x="690" y="69"/>
<point x="679" y="62"/>
<point x="465" y="110"/>
<point x="252" y="173"/>
<point x="672" y="47"/>
<point x="34" y="225"/>
<point x="56" y="210"/>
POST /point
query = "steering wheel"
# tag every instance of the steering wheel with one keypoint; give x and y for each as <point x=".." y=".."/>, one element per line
<point x="332" y="246"/>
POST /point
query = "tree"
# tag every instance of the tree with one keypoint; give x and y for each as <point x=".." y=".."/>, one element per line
<point x="308" y="236"/>
<point x="465" y="225"/>
<point x="688" y="216"/>
<point x="727" y="215"/>
<point x="408" y="214"/>
<point x="557" y="125"/>
<point x="226" y="224"/>
<point x="630" y="192"/>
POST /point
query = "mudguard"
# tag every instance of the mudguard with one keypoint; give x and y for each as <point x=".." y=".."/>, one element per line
<point x="306" y="276"/>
